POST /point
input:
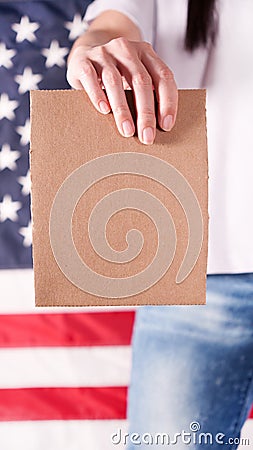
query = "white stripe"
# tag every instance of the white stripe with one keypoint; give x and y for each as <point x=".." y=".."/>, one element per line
<point x="65" y="367"/>
<point x="76" y="435"/>
<point x="17" y="296"/>
<point x="61" y="435"/>
<point x="247" y="433"/>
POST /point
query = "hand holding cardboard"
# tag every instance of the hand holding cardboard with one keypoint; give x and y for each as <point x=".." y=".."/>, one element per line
<point x="116" y="222"/>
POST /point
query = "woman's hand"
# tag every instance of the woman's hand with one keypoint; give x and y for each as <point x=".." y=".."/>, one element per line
<point x="116" y="64"/>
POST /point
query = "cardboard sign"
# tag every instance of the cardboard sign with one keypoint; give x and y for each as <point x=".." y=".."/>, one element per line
<point x="116" y="222"/>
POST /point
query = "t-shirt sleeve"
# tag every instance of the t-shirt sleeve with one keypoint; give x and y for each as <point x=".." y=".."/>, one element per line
<point x="141" y="13"/>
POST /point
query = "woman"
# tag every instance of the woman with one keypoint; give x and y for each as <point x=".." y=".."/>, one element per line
<point x="197" y="368"/>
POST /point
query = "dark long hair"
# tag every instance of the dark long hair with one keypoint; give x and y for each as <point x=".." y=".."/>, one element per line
<point x="202" y="24"/>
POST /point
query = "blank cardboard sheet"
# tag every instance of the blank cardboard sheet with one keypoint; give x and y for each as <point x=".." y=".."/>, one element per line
<point x="116" y="222"/>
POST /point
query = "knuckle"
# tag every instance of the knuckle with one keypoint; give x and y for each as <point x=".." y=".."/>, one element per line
<point x="111" y="77"/>
<point x="93" y="95"/>
<point x="147" y="46"/>
<point x="142" y="78"/>
<point x="172" y="100"/>
<point x="119" y="42"/>
<point x="144" y="47"/>
<point x="122" y="41"/>
<point x="166" y="74"/>
<point x="121" y="110"/>
<point x="170" y="107"/>
<point x="125" y="47"/>
<point x="85" y="71"/>
<point x="101" y="52"/>
<point x="147" y="113"/>
<point x="171" y="103"/>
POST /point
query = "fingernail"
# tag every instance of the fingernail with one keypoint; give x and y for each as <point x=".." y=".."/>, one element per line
<point x="104" y="108"/>
<point x="148" y="135"/>
<point x="167" y="122"/>
<point x="127" y="128"/>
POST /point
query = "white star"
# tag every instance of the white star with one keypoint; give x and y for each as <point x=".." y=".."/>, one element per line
<point x="24" y="132"/>
<point x="9" y="208"/>
<point x="26" y="232"/>
<point x="55" y="54"/>
<point x="76" y="27"/>
<point x="28" y="80"/>
<point x="25" y="183"/>
<point x="8" y="158"/>
<point x="7" y="107"/>
<point x="25" y="29"/>
<point x="6" y="56"/>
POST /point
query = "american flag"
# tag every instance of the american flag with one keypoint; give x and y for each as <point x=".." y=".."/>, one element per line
<point x="35" y="38"/>
<point x="64" y="372"/>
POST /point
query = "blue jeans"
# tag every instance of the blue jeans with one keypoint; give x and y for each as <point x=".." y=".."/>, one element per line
<point x="193" y="368"/>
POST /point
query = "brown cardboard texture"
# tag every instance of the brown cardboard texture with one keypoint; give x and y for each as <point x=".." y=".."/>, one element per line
<point x="116" y="222"/>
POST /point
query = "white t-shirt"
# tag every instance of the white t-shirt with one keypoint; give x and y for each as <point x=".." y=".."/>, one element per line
<point x="227" y="73"/>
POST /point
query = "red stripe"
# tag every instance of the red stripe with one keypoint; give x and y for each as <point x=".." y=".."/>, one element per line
<point x="64" y="404"/>
<point x="64" y="330"/>
<point x="98" y="403"/>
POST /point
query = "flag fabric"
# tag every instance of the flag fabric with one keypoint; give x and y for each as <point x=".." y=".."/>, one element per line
<point x="64" y="373"/>
<point x="35" y="39"/>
